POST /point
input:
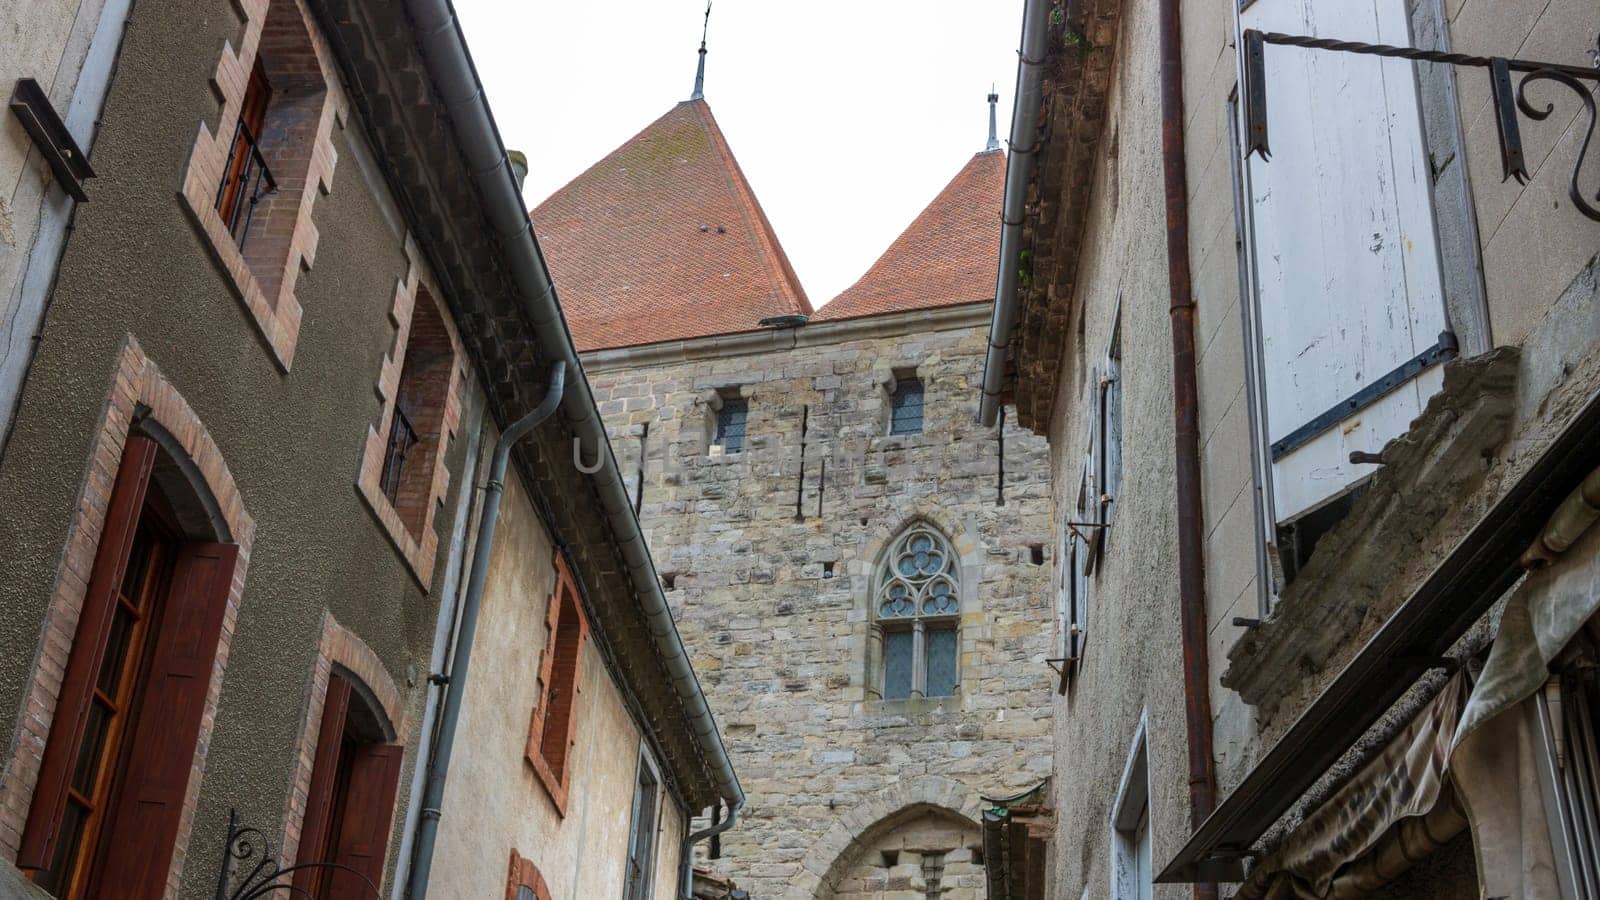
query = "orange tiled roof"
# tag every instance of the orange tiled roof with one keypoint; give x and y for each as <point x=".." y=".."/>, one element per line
<point x="948" y="254"/>
<point x="664" y="239"/>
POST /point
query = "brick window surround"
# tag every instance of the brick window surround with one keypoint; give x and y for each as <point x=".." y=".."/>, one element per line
<point x="340" y="648"/>
<point x="138" y="391"/>
<point x="555" y="716"/>
<point x="423" y="373"/>
<point x="296" y="142"/>
<point x="524" y="876"/>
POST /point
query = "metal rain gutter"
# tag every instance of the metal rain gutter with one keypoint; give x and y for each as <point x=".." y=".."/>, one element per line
<point x="449" y="63"/>
<point x="1020" y="161"/>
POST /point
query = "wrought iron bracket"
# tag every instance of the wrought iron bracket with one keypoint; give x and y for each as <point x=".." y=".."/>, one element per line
<point x="31" y="106"/>
<point x="262" y="880"/>
<point x="1509" y="95"/>
<point x="1446" y="349"/>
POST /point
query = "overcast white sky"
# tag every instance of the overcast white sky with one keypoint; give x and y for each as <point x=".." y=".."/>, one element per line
<point x="847" y="116"/>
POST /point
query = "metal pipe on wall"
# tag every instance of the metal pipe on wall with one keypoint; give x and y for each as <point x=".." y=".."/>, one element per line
<point x="450" y="65"/>
<point x="471" y="604"/>
<point x="1020" y="160"/>
<point x="1186" y="431"/>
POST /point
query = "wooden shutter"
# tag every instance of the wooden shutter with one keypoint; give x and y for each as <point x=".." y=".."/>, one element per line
<point x="324" y="779"/>
<point x="1345" y="256"/>
<point x="142" y="827"/>
<point x="88" y="648"/>
<point x="364" y="827"/>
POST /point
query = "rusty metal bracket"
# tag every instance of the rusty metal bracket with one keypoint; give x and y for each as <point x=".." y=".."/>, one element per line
<point x="1508" y="98"/>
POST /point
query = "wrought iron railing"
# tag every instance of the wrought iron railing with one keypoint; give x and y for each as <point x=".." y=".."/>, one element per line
<point x="251" y="180"/>
<point x="402" y="438"/>
<point x="263" y="877"/>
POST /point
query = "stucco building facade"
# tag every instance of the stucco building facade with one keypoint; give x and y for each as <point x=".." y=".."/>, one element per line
<point x="1259" y="727"/>
<point x="249" y="473"/>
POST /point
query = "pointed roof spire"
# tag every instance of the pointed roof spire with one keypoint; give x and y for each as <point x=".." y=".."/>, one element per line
<point x="664" y="240"/>
<point x="700" y="71"/>
<point x="994" y="137"/>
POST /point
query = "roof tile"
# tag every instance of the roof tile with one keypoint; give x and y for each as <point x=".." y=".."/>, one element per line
<point x="664" y="240"/>
<point x="947" y="256"/>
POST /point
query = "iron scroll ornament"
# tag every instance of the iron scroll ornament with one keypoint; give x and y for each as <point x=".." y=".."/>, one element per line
<point x="1508" y="99"/>
<point x="262" y="880"/>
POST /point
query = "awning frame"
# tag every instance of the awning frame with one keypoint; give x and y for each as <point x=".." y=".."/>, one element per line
<point x="1481" y="568"/>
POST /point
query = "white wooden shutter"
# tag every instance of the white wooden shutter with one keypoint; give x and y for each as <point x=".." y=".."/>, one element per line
<point x="1345" y="257"/>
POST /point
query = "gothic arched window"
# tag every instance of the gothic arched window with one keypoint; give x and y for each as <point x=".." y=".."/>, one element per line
<point x="917" y="603"/>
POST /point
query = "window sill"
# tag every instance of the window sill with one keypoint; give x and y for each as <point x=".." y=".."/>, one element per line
<point x="554" y="787"/>
<point x="913" y="708"/>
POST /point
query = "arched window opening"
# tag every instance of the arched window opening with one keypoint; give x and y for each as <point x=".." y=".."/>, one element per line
<point x="108" y="803"/>
<point x="917" y="604"/>
<point x="350" y="803"/>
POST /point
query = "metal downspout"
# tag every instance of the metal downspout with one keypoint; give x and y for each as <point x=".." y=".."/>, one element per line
<point x="686" y="855"/>
<point x="1186" y="432"/>
<point x="1020" y="161"/>
<point x="445" y="51"/>
<point x="456" y="689"/>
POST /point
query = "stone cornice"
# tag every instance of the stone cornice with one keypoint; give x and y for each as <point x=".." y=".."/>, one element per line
<point x="947" y="318"/>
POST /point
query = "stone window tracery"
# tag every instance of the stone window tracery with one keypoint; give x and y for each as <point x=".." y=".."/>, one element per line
<point x="917" y="605"/>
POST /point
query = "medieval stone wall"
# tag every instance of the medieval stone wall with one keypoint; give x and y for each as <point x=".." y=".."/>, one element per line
<point x="767" y="556"/>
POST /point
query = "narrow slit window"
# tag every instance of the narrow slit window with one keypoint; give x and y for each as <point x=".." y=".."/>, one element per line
<point x="905" y="406"/>
<point x="553" y="727"/>
<point x="731" y="424"/>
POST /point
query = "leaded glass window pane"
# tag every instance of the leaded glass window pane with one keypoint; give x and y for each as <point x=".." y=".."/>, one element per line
<point x="525" y="893"/>
<point x="942" y="669"/>
<point x="897" y="665"/>
<point x="730" y="424"/>
<point x="905" y="407"/>
<point x="917" y="587"/>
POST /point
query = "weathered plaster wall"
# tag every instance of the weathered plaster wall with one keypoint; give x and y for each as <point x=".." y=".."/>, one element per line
<point x="48" y="41"/>
<point x="493" y="802"/>
<point x="1533" y="240"/>
<point x="292" y="441"/>
<point x="1133" y="655"/>
<point x="779" y="643"/>
<point x="1540" y="274"/>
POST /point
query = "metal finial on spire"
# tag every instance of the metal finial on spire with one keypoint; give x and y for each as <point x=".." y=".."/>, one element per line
<point x="994" y="137"/>
<point x="700" y="71"/>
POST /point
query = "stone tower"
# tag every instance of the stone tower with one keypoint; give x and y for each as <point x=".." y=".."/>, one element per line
<point x="858" y="569"/>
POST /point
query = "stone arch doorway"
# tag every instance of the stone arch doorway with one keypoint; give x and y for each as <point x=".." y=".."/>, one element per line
<point x="919" y="851"/>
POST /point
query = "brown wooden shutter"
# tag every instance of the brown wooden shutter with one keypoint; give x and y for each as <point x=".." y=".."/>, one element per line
<point x="88" y="648"/>
<point x="142" y="825"/>
<point x="364" y="828"/>
<point x="324" y="780"/>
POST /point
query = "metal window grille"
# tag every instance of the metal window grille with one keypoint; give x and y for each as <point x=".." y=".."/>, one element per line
<point x="905" y="407"/>
<point x="731" y="423"/>
<point x="245" y="180"/>
<point x="402" y="438"/>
